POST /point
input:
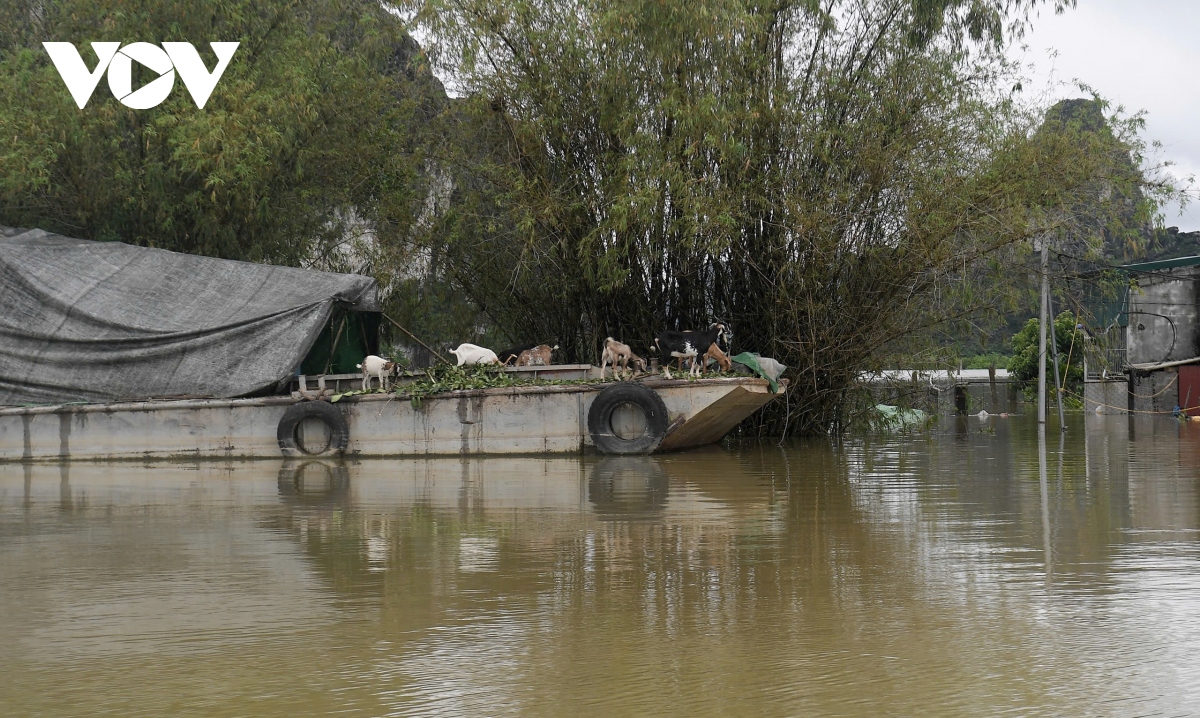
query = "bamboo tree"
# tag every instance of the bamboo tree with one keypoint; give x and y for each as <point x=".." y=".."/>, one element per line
<point x="832" y="179"/>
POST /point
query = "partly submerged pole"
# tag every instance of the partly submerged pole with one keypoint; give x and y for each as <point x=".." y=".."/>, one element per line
<point x="1042" y="334"/>
<point x="1058" y="383"/>
<point x="1045" y="495"/>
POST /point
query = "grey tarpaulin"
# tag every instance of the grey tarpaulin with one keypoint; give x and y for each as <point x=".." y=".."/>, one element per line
<point x="106" y="321"/>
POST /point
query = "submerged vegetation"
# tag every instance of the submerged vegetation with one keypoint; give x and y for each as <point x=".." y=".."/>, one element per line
<point x="844" y="183"/>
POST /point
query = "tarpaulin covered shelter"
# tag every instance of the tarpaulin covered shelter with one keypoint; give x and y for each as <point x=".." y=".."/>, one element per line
<point x="106" y="321"/>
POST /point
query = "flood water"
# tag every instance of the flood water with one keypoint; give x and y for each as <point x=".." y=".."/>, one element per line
<point x="923" y="575"/>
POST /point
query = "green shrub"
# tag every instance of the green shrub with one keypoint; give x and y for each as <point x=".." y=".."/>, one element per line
<point x="1023" y="365"/>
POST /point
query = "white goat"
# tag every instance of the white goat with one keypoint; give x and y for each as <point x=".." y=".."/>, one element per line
<point x="378" y="367"/>
<point x="619" y="355"/>
<point x="472" y="354"/>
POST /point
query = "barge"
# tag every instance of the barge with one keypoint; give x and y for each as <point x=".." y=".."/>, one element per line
<point x="111" y="351"/>
<point x="611" y="417"/>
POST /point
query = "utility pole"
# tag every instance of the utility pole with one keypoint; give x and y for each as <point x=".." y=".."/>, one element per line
<point x="1058" y="382"/>
<point x="1042" y="333"/>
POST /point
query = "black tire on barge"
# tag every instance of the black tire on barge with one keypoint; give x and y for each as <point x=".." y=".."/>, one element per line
<point x="627" y="418"/>
<point x="287" y="433"/>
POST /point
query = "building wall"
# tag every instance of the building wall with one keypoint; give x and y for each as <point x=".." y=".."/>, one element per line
<point x="1163" y="317"/>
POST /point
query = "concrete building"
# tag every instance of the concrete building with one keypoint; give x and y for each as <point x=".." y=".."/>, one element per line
<point x="1163" y="336"/>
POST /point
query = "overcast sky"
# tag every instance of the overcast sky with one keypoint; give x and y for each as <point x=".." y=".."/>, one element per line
<point x="1143" y="54"/>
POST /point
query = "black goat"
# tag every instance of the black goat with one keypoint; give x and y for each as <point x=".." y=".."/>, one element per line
<point x="689" y="345"/>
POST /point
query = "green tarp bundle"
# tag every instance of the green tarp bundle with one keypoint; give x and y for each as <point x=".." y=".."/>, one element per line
<point x="751" y="361"/>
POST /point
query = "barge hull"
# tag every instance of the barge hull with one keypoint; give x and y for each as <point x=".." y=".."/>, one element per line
<point x="511" y="420"/>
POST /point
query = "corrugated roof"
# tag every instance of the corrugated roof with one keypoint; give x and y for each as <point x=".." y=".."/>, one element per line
<point x="1162" y="264"/>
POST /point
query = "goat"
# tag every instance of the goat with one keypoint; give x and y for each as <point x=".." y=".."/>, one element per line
<point x="619" y="355"/>
<point x="537" y="356"/>
<point x="512" y="354"/>
<point x="714" y="352"/>
<point x="472" y="354"/>
<point x="378" y="367"/>
<point x="689" y="345"/>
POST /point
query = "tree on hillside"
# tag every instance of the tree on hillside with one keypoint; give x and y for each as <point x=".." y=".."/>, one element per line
<point x="313" y="128"/>
<point x="830" y="178"/>
<point x="1109" y="220"/>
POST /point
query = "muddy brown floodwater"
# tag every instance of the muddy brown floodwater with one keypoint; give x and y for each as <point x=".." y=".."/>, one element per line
<point x="924" y="575"/>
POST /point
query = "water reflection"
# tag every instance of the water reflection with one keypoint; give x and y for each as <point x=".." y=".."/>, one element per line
<point x="314" y="482"/>
<point x="628" y="487"/>
<point x="1042" y="481"/>
<point x="976" y="572"/>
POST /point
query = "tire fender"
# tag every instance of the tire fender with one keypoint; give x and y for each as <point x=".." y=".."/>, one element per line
<point x="601" y="413"/>
<point x="339" y="431"/>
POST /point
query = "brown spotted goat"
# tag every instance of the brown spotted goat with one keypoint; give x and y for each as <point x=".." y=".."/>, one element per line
<point x="537" y="356"/>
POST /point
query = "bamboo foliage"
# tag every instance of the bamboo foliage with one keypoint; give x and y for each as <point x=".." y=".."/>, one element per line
<point x="830" y="178"/>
